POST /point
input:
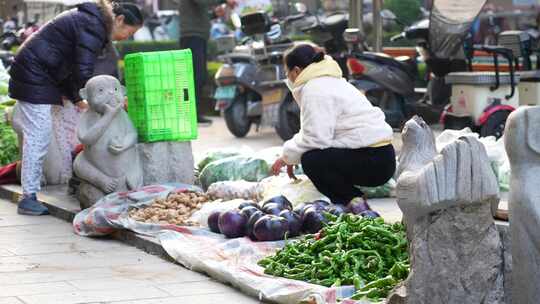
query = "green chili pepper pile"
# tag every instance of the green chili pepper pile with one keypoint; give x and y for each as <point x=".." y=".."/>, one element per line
<point x="350" y="250"/>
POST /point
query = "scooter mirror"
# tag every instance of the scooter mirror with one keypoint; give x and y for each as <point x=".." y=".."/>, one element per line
<point x="387" y="14"/>
<point x="300" y="7"/>
<point x="236" y="21"/>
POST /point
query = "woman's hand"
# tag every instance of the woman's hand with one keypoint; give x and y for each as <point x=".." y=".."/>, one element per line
<point x="82" y="105"/>
<point x="280" y="163"/>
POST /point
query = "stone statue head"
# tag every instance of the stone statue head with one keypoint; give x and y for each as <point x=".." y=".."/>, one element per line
<point x="103" y="90"/>
<point x="418" y="145"/>
<point x="522" y="134"/>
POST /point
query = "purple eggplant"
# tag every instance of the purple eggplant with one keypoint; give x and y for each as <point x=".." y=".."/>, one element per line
<point x="370" y="214"/>
<point x="322" y="203"/>
<point x="313" y="220"/>
<point x="232" y="223"/>
<point x="213" y="221"/>
<point x="281" y="201"/>
<point x="272" y="208"/>
<point x="248" y="211"/>
<point x="337" y="210"/>
<point x="300" y="208"/>
<point x="270" y="228"/>
<point x="357" y="207"/>
<point x="251" y="223"/>
<point x="248" y="204"/>
<point x="294" y="221"/>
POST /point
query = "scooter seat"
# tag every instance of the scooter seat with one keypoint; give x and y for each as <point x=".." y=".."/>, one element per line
<point x="403" y="58"/>
<point x="530" y="76"/>
<point x="479" y="78"/>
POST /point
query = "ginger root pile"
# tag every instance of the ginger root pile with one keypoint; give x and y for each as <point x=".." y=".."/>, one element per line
<point x="176" y="209"/>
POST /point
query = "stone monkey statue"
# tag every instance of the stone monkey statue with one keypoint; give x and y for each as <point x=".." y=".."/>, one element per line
<point x="110" y="161"/>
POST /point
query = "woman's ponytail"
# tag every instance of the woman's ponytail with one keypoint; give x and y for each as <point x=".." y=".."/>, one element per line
<point x="302" y="55"/>
<point x="132" y="14"/>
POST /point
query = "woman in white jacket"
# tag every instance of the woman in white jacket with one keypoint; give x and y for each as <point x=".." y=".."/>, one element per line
<point x="343" y="141"/>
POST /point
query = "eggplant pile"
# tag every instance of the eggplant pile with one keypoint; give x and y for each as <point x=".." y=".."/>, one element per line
<point x="276" y="219"/>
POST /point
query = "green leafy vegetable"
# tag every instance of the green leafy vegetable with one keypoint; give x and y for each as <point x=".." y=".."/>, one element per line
<point x="9" y="151"/>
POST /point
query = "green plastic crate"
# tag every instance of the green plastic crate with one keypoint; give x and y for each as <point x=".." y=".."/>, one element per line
<point x="161" y="95"/>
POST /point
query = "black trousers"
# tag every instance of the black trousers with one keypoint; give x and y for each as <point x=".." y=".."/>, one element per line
<point x="335" y="172"/>
<point x="198" y="46"/>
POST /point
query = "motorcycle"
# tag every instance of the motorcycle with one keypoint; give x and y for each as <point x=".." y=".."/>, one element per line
<point x="250" y="82"/>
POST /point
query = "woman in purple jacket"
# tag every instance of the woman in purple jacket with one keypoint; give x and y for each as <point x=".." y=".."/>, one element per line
<point x="56" y="62"/>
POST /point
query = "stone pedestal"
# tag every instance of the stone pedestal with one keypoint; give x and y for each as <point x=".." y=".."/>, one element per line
<point x="167" y="162"/>
<point x="88" y="195"/>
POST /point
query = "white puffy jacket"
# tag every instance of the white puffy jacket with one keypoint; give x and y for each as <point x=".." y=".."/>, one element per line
<point x="333" y="114"/>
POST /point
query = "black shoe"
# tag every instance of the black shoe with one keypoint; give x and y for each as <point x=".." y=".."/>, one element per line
<point x="203" y="120"/>
<point x="30" y="206"/>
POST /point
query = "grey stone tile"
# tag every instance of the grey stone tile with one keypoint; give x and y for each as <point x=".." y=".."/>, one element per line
<point x="162" y="273"/>
<point x="221" y="298"/>
<point x="20" y="220"/>
<point x="38" y="275"/>
<point x="63" y="244"/>
<point x="107" y="296"/>
<point x="10" y="300"/>
<point x="5" y="253"/>
<point x="195" y="288"/>
<point x="31" y="289"/>
<point x="110" y="283"/>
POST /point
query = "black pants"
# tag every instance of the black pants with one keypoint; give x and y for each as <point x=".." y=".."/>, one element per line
<point x="198" y="46"/>
<point x="335" y="171"/>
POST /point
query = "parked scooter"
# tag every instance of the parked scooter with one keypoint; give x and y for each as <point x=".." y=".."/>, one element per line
<point x="7" y="41"/>
<point x="250" y="82"/>
<point x="11" y="39"/>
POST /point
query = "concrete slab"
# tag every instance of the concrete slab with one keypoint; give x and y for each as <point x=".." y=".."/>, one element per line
<point x="230" y="297"/>
<point x="38" y="288"/>
<point x="10" y="300"/>
<point x="77" y="297"/>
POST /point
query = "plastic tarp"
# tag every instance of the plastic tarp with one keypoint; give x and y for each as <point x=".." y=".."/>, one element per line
<point x="450" y="23"/>
<point x="232" y="261"/>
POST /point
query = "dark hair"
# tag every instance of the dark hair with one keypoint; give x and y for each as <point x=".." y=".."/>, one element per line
<point x="302" y="55"/>
<point x="132" y="14"/>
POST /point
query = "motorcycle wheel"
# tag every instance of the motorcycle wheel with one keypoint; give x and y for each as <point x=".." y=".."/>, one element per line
<point x="289" y="118"/>
<point x="236" y="117"/>
<point x="391" y="104"/>
<point x="495" y="125"/>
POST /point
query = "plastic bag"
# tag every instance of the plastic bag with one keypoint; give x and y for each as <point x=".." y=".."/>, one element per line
<point x="299" y="191"/>
<point x="494" y="148"/>
<point x="449" y="136"/>
<point x="201" y="216"/>
<point x="234" y="168"/>
<point x="386" y="190"/>
<point x="217" y="154"/>
<point x="229" y="190"/>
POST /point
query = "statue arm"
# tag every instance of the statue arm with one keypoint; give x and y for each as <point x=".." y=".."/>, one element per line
<point x="89" y="133"/>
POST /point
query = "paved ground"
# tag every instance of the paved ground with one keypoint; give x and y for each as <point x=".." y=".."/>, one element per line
<point x="43" y="262"/>
<point x="218" y="136"/>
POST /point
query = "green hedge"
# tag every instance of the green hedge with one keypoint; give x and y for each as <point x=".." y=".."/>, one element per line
<point x="129" y="47"/>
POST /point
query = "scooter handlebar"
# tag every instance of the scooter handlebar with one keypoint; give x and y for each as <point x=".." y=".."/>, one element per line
<point x="397" y="37"/>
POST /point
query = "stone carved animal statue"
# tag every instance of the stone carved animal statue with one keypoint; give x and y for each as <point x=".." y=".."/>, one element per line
<point x="522" y="143"/>
<point x="110" y="161"/>
<point x="446" y="198"/>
